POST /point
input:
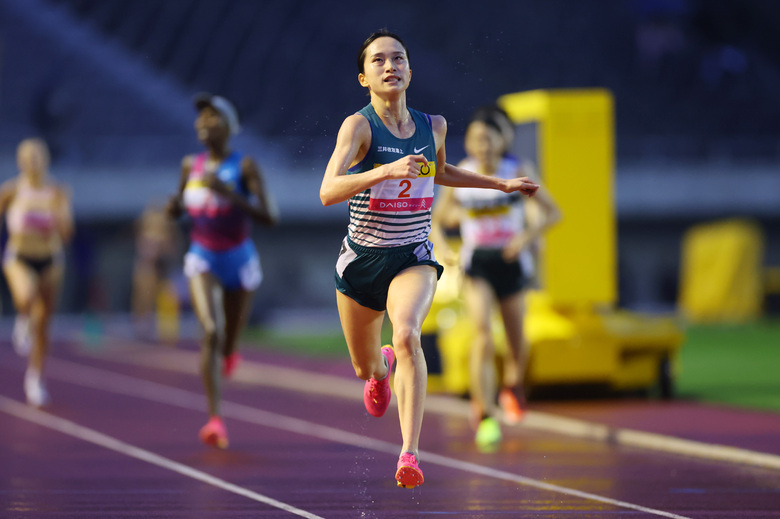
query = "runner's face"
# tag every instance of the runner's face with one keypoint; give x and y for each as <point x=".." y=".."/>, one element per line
<point x="386" y="67"/>
<point x="211" y="126"/>
<point x="32" y="159"/>
<point x="484" y="143"/>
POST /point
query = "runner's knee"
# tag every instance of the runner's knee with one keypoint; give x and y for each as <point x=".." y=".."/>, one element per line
<point x="212" y="336"/>
<point x="484" y="346"/>
<point x="406" y="340"/>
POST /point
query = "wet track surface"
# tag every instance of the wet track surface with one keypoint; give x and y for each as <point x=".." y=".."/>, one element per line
<point x="120" y="440"/>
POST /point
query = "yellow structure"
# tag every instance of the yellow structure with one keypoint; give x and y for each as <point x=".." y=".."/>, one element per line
<point x="167" y="313"/>
<point x="575" y="157"/>
<point x="574" y="333"/>
<point x="722" y="273"/>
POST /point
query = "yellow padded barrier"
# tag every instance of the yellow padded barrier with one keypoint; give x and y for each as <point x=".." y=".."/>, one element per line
<point x="721" y="273"/>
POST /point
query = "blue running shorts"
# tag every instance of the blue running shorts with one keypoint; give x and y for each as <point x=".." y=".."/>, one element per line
<point x="236" y="268"/>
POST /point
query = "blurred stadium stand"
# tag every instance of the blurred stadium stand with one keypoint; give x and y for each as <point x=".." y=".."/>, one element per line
<point x="694" y="69"/>
<point x="108" y="83"/>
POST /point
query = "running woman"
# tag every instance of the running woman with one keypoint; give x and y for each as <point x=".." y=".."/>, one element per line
<point x="39" y="218"/>
<point x="222" y="190"/>
<point x="156" y="247"/>
<point x="385" y="163"/>
<point x="497" y="262"/>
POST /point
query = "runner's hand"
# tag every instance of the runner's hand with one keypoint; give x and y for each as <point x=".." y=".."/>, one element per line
<point x="406" y="167"/>
<point x="174" y="208"/>
<point x="215" y="184"/>
<point x="523" y="184"/>
<point x="512" y="250"/>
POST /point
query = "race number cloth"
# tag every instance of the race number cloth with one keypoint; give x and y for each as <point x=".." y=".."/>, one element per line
<point x="491" y="218"/>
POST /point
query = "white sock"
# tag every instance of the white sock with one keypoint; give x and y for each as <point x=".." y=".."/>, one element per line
<point x="32" y="376"/>
<point x="388" y="369"/>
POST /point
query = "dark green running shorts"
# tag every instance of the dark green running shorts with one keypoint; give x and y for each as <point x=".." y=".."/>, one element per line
<point x="364" y="273"/>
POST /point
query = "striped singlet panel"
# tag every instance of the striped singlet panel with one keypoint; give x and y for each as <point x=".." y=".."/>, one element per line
<point x="394" y="212"/>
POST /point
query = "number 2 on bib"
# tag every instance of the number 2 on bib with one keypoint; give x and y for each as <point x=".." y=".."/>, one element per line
<point x="407" y="185"/>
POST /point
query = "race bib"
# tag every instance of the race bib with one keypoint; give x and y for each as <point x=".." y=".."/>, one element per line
<point x="404" y="194"/>
<point x="492" y="231"/>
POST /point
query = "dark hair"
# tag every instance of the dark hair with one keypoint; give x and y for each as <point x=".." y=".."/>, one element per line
<point x="378" y="34"/>
<point x="492" y="115"/>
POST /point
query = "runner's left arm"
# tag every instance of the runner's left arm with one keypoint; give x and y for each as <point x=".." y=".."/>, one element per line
<point x="7" y="193"/>
<point x="453" y="176"/>
<point x="65" y="225"/>
<point x="265" y="210"/>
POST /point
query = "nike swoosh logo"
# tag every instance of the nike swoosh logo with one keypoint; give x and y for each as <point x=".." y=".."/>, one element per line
<point x="418" y="151"/>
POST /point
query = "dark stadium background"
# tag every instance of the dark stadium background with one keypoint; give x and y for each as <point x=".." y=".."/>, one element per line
<point x="108" y="83"/>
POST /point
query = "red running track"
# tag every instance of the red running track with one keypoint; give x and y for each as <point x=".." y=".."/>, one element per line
<point x="120" y="440"/>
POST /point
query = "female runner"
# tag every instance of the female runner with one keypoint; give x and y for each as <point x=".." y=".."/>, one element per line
<point x="39" y="218"/>
<point x="223" y="267"/>
<point x="497" y="263"/>
<point x="385" y="163"/>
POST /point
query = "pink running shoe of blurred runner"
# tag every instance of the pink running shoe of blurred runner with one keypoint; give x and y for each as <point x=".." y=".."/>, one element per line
<point x="214" y="433"/>
<point x="230" y="364"/>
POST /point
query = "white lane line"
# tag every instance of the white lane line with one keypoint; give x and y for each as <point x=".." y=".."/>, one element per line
<point x="130" y="386"/>
<point x="256" y="373"/>
<point x="56" y="423"/>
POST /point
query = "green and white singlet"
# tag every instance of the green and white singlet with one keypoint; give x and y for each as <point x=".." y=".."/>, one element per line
<point x="394" y="212"/>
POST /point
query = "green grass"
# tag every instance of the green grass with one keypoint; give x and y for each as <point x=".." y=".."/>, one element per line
<point x="316" y="344"/>
<point x="329" y="344"/>
<point x="732" y="364"/>
<point x="723" y="364"/>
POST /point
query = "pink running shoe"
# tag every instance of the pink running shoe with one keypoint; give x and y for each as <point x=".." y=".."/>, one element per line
<point x="511" y="406"/>
<point x="230" y="364"/>
<point x="376" y="393"/>
<point x="214" y="433"/>
<point x="408" y="474"/>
